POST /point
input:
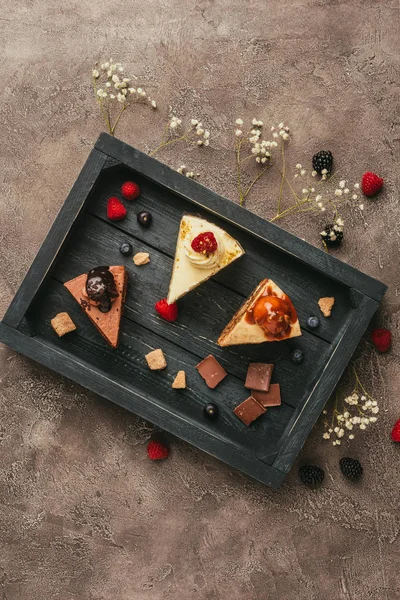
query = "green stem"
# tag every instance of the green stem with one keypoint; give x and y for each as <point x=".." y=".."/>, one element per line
<point x="283" y="178"/>
<point x="255" y="181"/>
<point x="168" y="143"/>
<point x="125" y="106"/>
<point x="239" y="173"/>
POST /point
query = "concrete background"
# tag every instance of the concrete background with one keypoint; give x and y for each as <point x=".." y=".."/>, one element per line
<point x="83" y="513"/>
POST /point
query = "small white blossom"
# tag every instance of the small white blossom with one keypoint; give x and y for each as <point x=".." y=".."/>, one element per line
<point x="304" y="191"/>
<point x="154" y="104"/>
<point x="96" y="74"/>
<point x="121" y="98"/>
<point x="351" y="437"/>
<point x="342" y="183"/>
<point x="100" y="92"/>
<point x="346" y="191"/>
<point x="354" y="197"/>
<point x="314" y="173"/>
<point x="115" y="78"/>
<point x="326" y="436"/>
<point x="356" y="186"/>
<point x="361" y="207"/>
<point x="302" y="172"/>
<point x="338" y="192"/>
<point x="238" y="122"/>
<point x="238" y="132"/>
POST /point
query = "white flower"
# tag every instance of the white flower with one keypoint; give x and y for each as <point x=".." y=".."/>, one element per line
<point x="336" y="429"/>
<point x="356" y="186"/>
<point x="375" y="410"/>
<point x="304" y="191"/>
<point x="342" y="183"/>
<point x="351" y="437"/>
<point x="238" y="132"/>
<point x="302" y="172"/>
<point x="354" y="197"/>
<point x="96" y="74"/>
<point x="200" y="142"/>
<point x="314" y="173"/>
<point x="206" y="142"/>
<point x="109" y="73"/>
<point x="238" y="122"/>
<point x="340" y="433"/>
<point x="154" y="104"/>
<point x="112" y="96"/>
<point x="173" y="125"/>
<point x="126" y="80"/>
<point x="346" y="191"/>
<point x="120" y="69"/>
<point x="324" y="172"/>
<point x="323" y="209"/>
<point x="363" y="426"/>
<point x="121" y="98"/>
<point x="349" y="425"/>
<point x="115" y="78"/>
<point x="108" y="84"/>
<point x="330" y="430"/>
<point x="298" y="166"/>
<point x="105" y="94"/>
<point x="132" y="90"/>
<point x="124" y="91"/>
<point x="361" y="207"/>
<point x="326" y="436"/>
<point x="338" y="192"/>
<point x="275" y="134"/>
<point x="106" y="65"/>
<point x="285" y="136"/>
<point x="339" y="222"/>
<point x="319" y="204"/>
<point x="194" y="122"/>
<point x="206" y="134"/>
<point x="318" y="198"/>
<point x="373" y="419"/>
<point x="100" y="92"/>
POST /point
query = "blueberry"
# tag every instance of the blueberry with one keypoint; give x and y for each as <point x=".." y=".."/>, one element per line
<point x="297" y="356"/>
<point x="126" y="249"/>
<point x="210" y="410"/>
<point x="313" y="322"/>
<point x="144" y="218"/>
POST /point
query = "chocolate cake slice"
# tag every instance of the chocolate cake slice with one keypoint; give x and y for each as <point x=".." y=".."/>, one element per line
<point x="107" y="320"/>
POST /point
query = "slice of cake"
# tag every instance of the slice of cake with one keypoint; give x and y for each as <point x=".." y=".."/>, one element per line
<point x="101" y="294"/>
<point x="202" y="250"/>
<point x="268" y="315"/>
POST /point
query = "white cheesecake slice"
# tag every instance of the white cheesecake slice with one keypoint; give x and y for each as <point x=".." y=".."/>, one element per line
<point x="274" y="311"/>
<point x="191" y="268"/>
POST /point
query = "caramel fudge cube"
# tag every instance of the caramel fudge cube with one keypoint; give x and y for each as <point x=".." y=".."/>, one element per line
<point x="326" y="305"/>
<point x="62" y="324"/>
<point x="156" y="360"/>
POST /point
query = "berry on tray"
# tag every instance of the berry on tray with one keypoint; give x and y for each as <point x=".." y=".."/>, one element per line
<point x="157" y="450"/>
<point x="371" y="184"/>
<point x="205" y="243"/>
<point x="332" y="235"/>
<point x="210" y="410"/>
<point x="395" y="435"/>
<point x="351" y="468"/>
<point x="297" y="356"/>
<point x="382" y="339"/>
<point x="323" y="160"/>
<point x="116" y="211"/>
<point x="144" y="218"/>
<point x="126" y="249"/>
<point x="130" y="190"/>
<point x="313" y="322"/>
<point x="311" y="475"/>
<point x="169" y="312"/>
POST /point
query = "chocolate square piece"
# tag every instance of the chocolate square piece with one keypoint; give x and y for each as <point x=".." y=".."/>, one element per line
<point x="249" y="410"/>
<point x="211" y="371"/>
<point x="270" y="398"/>
<point x="258" y="377"/>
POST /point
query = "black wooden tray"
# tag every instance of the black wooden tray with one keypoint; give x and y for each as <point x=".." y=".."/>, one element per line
<point x="82" y="238"/>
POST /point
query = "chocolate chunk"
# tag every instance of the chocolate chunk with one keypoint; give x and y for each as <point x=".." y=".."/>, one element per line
<point x="270" y="398"/>
<point x="211" y="371"/>
<point x="249" y="410"/>
<point x="258" y="377"/>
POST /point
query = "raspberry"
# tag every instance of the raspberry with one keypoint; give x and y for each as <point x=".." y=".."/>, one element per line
<point x="169" y="312"/>
<point x="205" y="243"/>
<point x="115" y="209"/>
<point x="395" y="435"/>
<point x="130" y="190"/>
<point x="157" y="450"/>
<point x="382" y="339"/>
<point x="371" y="184"/>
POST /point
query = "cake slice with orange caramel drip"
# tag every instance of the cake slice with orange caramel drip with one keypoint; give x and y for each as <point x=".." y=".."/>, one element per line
<point x="268" y="315"/>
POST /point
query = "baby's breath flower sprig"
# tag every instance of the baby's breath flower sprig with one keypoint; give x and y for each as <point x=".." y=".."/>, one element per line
<point x="114" y="92"/>
<point x="183" y="170"/>
<point x="174" y="131"/>
<point x="258" y="148"/>
<point x="350" y="413"/>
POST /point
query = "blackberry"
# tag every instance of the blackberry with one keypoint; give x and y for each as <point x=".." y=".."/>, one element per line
<point x="311" y="475"/>
<point x="351" y="468"/>
<point x="322" y="160"/>
<point x="332" y="235"/>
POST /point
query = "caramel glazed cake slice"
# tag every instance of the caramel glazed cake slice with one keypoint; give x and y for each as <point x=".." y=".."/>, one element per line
<point x="243" y="328"/>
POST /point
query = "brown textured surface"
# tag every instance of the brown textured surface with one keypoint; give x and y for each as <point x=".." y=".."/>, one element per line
<point x="84" y="515"/>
